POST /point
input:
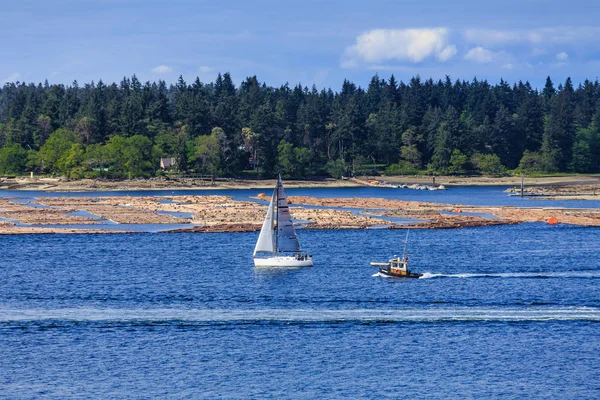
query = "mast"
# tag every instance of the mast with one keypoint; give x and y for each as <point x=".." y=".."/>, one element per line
<point x="405" y="243"/>
<point x="277" y="220"/>
<point x="522" y="185"/>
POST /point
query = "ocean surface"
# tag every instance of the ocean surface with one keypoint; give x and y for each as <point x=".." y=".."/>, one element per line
<point x="471" y="195"/>
<point x="502" y="312"/>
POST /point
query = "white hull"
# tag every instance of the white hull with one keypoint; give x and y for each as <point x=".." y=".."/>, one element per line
<point x="282" y="261"/>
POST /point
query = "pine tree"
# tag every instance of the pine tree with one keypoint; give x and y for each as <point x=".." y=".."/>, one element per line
<point x="333" y="130"/>
<point x="446" y="140"/>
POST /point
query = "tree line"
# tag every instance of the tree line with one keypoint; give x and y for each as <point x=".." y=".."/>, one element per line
<point x="443" y="126"/>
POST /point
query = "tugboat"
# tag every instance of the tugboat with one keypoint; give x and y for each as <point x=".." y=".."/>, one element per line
<point x="398" y="266"/>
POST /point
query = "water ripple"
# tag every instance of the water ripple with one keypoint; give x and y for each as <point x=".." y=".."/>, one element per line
<point x="300" y="315"/>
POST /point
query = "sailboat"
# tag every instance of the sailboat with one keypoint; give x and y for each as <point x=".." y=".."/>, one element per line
<point x="397" y="266"/>
<point x="277" y="244"/>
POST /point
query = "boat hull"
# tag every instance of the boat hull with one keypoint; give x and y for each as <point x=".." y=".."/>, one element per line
<point x="396" y="275"/>
<point x="283" y="261"/>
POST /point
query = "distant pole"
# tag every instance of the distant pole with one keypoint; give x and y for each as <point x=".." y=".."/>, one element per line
<point x="522" y="185"/>
<point x="433" y="177"/>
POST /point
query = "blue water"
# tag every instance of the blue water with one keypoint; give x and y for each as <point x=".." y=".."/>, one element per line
<point x="471" y="195"/>
<point x="85" y="214"/>
<point x="504" y="312"/>
<point x="177" y="214"/>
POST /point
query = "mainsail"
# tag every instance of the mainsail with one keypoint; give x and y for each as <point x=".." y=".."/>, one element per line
<point x="286" y="234"/>
<point x="265" y="239"/>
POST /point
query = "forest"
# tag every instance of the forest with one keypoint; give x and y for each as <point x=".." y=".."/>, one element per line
<point x="422" y="126"/>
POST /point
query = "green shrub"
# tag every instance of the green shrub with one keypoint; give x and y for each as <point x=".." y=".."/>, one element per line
<point x="337" y="168"/>
<point x="531" y="162"/>
<point x="402" y="168"/>
<point x="13" y="159"/>
<point x="488" y="164"/>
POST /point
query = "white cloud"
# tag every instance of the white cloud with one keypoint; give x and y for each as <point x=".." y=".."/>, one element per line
<point x="535" y="37"/>
<point x="15" y="76"/>
<point x="205" y="69"/>
<point x="162" y="69"/>
<point x="479" y="55"/>
<point x="448" y="52"/>
<point x="414" y="45"/>
<point x="562" y="56"/>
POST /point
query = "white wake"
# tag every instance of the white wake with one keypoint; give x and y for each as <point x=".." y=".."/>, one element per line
<point x="167" y="315"/>
<point x="570" y="274"/>
<point x="381" y="275"/>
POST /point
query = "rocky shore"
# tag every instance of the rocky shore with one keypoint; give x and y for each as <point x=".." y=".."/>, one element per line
<point x="562" y="192"/>
<point x="48" y="184"/>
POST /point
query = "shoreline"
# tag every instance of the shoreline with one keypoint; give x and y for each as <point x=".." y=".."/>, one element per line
<point x="582" y="191"/>
<point x="45" y="184"/>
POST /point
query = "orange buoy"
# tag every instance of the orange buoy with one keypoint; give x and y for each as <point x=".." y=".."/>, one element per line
<point x="553" y="221"/>
<point x="457" y="210"/>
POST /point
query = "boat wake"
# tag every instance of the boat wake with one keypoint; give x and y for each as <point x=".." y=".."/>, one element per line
<point x="570" y="274"/>
<point x="381" y="275"/>
<point x="58" y="317"/>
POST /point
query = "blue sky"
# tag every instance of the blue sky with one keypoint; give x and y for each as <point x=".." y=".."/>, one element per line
<point x="320" y="42"/>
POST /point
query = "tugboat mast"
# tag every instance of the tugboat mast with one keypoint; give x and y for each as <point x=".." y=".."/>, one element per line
<point x="405" y="244"/>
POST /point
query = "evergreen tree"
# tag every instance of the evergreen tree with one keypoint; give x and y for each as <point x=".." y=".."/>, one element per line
<point x="504" y="142"/>
<point x="559" y="132"/>
<point x="446" y="140"/>
<point x="334" y="131"/>
<point x="548" y="95"/>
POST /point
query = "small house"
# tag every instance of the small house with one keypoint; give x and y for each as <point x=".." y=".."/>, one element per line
<point x="167" y="163"/>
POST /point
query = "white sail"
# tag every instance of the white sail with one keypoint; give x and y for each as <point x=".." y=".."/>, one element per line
<point x="282" y="238"/>
<point x="286" y="234"/>
<point x="265" y="239"/>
